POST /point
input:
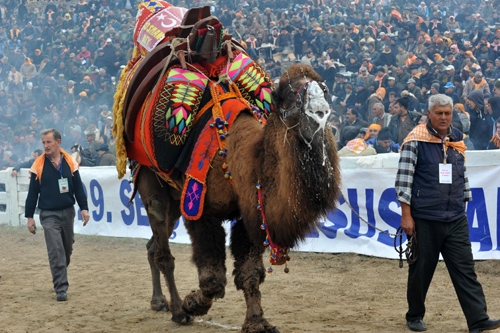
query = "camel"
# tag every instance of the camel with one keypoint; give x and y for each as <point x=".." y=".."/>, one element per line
<point x="294" y="161"/>
<point x="267" y="157"/>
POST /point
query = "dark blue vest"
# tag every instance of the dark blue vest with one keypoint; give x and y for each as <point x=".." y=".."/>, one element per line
<point x="431" y="200"/>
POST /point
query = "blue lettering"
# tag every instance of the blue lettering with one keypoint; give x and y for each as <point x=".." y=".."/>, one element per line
<point x="97" y="197"/>
<point x="477" y="207"/>
<point x="125" y="190"/>
<point x="337" y="219"/>
<point x="388" y="216"/>
<point x="353" y="231"/>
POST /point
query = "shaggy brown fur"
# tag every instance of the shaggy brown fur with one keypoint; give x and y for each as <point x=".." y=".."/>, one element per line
<point x="300" y="183"/>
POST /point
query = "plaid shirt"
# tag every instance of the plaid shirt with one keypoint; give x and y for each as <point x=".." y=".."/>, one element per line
<point x="406" y="169"/>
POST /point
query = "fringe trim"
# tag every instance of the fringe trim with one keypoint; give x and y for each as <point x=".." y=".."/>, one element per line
<point x="119" y="127"/>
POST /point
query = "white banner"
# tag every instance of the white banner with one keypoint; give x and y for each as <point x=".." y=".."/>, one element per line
<point x="370" y="192"/>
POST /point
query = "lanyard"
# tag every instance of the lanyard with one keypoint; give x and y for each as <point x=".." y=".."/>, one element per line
<point x="60" y="166"/>
<point x="445" y="142"/>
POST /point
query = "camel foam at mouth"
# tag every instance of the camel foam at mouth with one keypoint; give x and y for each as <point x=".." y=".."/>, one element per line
<point x="316" y="106"/>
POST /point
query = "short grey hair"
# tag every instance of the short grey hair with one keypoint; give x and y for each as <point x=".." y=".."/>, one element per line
<point x="56" y="133"/>
<point x="380" y="105"/>
<point x="440" y="99"/>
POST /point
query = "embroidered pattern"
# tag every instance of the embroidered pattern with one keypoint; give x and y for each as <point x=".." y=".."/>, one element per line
<point x="252" y="81"/>
<point x="193" y="196"/>
<point x="177" y="105"/>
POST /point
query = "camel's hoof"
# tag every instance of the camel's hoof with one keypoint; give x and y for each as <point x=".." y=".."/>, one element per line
<point x="182" y="318"/>
<point x="192" y="305"/>
<point x="159" y="304"/>
<point x="259" y="327"/>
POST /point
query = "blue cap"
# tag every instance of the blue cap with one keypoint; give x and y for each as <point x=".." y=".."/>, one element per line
<point x="449" y="85"/>
<point x="361" y="83"/>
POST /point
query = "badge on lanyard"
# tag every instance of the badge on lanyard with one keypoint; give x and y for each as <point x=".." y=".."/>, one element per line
<point x="63" y="185"/>
<point x="444" y="173"/>
<point x="63" y="182"/>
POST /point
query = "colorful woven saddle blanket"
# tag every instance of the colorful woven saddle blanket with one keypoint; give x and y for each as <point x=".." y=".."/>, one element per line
<point x="176" y="113"/>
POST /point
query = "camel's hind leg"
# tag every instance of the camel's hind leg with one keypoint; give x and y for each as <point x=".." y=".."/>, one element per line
<point x="163" y="211"/>
<point x="209" y="255"/>
<point x="249" y="272"/>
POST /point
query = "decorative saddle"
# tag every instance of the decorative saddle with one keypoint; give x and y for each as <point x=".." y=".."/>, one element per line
<point x="177" y="100"/>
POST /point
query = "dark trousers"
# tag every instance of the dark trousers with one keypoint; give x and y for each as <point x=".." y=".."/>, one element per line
<point x="58" y="230"/>
<point x="451" y="239"/>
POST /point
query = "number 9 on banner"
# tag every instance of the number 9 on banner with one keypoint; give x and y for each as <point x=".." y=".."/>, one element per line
<point x="97" y="197"/>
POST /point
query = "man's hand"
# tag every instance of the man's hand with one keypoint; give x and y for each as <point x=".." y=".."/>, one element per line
<point x="31" y="225"/>
<point x="407" y="222"/>
<point x="13" y="173"/>
<point x="85" y="217"/>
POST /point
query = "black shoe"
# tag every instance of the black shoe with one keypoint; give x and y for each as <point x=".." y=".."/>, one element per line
<point x="484" y="325"/>
<point x="62" y="296"/>
<point x="416" y="325"/>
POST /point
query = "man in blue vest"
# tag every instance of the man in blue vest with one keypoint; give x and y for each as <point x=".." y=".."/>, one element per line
<point x="432" y="187"/>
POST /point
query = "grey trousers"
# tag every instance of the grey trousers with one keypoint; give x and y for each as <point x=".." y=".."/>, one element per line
<point x="58" y="230"/>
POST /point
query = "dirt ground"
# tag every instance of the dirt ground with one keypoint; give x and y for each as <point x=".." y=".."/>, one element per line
<point x="110" y="290"/>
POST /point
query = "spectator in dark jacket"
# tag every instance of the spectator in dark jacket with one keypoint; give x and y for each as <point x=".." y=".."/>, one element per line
<point x="481" y="120"/>
<point x="387" y="57"/>
<point x="426" y="77"/>
<point x="105" y="157"/>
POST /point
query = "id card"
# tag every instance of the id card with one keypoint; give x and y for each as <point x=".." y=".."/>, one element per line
<point x="63" y="185"/>
<point x="444" y="173"/>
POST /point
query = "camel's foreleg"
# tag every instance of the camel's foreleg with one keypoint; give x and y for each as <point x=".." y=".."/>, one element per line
<point x="209" y="255"/>
<point x="158" y="300"/>
<point x="249" y="272"/>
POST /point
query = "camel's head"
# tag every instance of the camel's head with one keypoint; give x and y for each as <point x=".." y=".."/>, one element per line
<point x="301" y="101"/>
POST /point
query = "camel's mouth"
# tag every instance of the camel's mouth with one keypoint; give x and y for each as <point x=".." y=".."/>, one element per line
<point x="320" y="114"/>
<point x="320" y="117"/>
<point x="316" y="107"/>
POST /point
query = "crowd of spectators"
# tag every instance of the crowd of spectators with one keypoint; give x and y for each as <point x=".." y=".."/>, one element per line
<point x="59" y="63"/>
<point x="380" y="59"/>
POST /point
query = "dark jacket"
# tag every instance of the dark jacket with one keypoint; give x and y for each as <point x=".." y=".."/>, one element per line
<point x="431" y="200"/>
<point x="426" y="79"/>
<point x="481" y="124"/>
